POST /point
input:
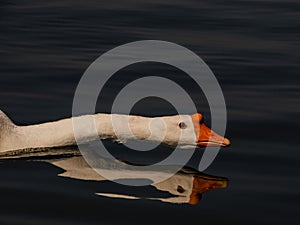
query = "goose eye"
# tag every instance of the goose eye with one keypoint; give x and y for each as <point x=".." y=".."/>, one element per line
<point x="182" y="125"/>
<point x="180" y="189"/>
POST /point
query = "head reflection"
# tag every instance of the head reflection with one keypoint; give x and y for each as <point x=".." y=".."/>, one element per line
<point x="186" y="186"/>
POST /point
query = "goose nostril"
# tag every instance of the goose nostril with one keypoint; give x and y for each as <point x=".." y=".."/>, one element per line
<point x="202" y="121"/>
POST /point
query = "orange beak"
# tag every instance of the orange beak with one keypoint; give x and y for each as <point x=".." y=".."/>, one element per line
<point x="205" y="136"/>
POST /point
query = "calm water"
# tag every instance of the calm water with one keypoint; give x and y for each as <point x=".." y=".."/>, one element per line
<point x="251" y="46"/>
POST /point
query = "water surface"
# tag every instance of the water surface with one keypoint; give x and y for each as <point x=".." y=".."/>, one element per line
<point x="251" y="46"/>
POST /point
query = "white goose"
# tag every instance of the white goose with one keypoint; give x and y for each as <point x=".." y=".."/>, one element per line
<point x="185" y="130"/>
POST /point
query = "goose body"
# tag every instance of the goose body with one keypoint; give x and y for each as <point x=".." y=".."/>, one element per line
<point x="188" y="131"/>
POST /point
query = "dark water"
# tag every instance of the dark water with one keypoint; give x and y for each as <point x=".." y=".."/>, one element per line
<point x="252" y="48"/>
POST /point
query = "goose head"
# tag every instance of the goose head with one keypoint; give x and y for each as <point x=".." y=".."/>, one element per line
<point x="186" y="131"/>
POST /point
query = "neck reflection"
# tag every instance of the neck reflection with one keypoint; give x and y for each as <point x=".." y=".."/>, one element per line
<point x="186" y="186"/>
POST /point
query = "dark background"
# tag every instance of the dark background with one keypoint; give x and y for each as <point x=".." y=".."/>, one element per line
<point x="251" y="46"/>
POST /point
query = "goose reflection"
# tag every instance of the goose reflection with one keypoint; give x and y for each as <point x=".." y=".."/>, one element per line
<point x="186" y="186"/>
